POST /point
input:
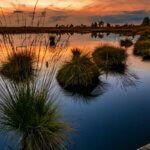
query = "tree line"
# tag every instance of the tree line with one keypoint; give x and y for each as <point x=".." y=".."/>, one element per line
<point x="101" y="24"/>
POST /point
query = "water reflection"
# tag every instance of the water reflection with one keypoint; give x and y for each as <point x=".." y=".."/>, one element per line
<point x="126" y="80"/>
<point x="97" y="35"/>
<point x="86" y="97"/>
<point x="52" y="41"/>
<point x="45" y="54"/>
<point x="29" y="112"/>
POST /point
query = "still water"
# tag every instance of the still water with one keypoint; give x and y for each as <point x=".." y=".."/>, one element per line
<point x="118" y="117"/>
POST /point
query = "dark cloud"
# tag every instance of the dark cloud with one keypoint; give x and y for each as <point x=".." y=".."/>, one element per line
<point x="57" y="18"/>
<point x="125" y="17"/>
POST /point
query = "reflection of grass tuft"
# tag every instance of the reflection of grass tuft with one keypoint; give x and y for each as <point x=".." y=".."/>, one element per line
<point x="110" y="59"/>
<point x="126" y="43"/>
<point x="79" y="75"/>
<point x="19" y="66"/>
<point x="29" y="112"/>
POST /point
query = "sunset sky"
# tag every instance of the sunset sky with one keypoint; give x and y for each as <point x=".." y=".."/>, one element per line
<point x="114" y="11"/>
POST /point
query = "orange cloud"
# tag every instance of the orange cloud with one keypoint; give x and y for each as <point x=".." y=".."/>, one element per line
<point x="76" y="11"/>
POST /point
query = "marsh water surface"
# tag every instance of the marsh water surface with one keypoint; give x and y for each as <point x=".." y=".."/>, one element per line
<point x="117" y="117"/>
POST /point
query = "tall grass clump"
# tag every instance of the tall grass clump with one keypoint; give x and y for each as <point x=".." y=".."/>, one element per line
<point x="29" y="113"/>
<point x="146" y="54"/>
<point x="78" y="75"/>
<point x="126" y="43"/>
<point x="142" y="47"/>
<point x="19" y="66"/>
<point x="110" y="59"/>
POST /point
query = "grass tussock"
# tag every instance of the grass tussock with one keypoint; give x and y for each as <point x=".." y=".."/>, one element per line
<point x="110" y="59"/>
<point x="126" y="43"/>
<point x="19" y="66"/>
<point x="142" y="47"/>
<point x="30" y="114"/>
<point x="78" y="75"/>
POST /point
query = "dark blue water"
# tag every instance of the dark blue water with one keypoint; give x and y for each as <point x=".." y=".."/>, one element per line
<point x="119" y="118"/>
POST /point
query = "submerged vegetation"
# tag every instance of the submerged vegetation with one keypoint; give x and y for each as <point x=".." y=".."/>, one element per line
<point x="30" y="113"/>
<point x="126" y="43"/>
<point x="19" y="66"/>
<point x="80" y="75"/>
<point x="110" y="59"/>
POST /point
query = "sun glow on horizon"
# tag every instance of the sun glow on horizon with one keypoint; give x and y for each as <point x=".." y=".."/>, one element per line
<point x="69" y="4"/>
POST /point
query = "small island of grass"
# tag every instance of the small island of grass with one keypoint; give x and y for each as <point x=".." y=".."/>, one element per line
<point x="80" y="75"/>
<point x="110" y="59"/>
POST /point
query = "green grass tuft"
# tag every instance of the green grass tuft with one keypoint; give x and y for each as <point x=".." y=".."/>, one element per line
<point x="142" y="47"/>
<point x="126" y="43"/>
<point x="30" y="113"/>
<point x="19" y="66"/>
<point x="78" y="75"/>
<point x="110" y="59"/>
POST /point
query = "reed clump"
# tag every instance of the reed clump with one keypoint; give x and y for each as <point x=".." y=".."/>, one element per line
<point x="126" y="43"/>
<point x="78" y="75"/>
<point x="19" y="66"/>
<point x="30" y="113"/>
<point x="142" y="46"/>
<point x="110" y="59"/>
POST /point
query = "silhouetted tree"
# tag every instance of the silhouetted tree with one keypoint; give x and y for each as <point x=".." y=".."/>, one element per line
<point x="146" y="21"/>
<point x="71" y="26"/>
<point x="95" y="24"/>
<point x="108" y="25"/>
<point x="101" y="23"/>
<point x="92" y="25"/>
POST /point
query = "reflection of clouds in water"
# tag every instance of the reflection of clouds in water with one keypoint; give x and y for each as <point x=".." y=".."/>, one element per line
<point x="85" y="41"/>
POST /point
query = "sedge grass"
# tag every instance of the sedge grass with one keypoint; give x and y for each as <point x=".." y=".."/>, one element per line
<point x="19" y="66"/>
<point x="78" y="75"/>
<point x="142" y="46"/>
<point x="126" y="43"/>
<point x="110" y="59"/>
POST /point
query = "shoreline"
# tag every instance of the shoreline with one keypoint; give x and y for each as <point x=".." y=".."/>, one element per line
<point x="134" y="30"/>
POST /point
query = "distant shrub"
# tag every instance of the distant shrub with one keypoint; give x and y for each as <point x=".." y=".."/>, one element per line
<point x="126" y="43"/>
<point x="110" y="59"/>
